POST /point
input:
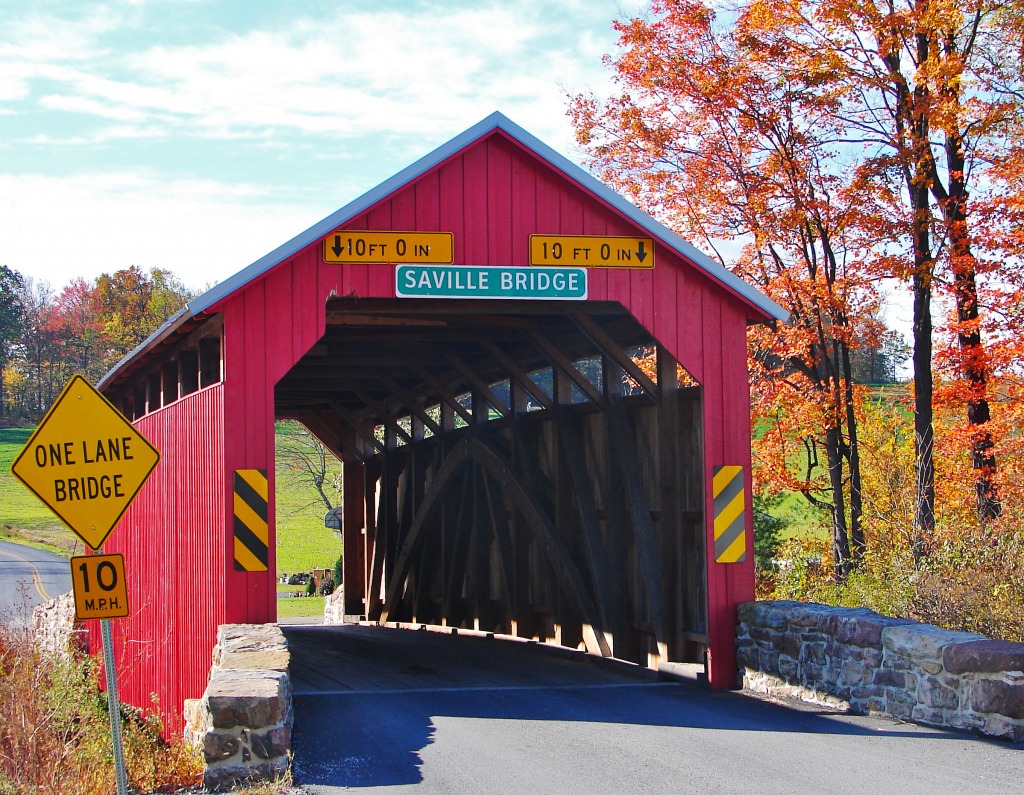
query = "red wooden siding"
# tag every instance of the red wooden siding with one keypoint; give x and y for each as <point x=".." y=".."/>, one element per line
<point x="172" y="538"/>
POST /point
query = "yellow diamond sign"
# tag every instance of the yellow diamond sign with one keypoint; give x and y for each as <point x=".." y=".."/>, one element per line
<point x="86" y="462"/>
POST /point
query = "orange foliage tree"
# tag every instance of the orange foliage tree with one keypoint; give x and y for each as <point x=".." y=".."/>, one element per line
<point x="716" y="133"/>
<point x="85" y="328"/>
<point x="931" y="87"/>
<point x="834" y="143"/>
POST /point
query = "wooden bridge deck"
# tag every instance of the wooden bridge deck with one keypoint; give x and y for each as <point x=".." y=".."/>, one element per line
<point x="354" y="658"/>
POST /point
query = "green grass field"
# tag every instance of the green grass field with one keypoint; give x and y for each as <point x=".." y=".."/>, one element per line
<point x="802" y="518"/>
<point x="23" y="518"/>
<point x="300" y="608"/>
<point x="303" y="543"/>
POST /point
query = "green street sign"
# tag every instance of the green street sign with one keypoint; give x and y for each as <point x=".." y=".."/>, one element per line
<point x="475" y="281"/>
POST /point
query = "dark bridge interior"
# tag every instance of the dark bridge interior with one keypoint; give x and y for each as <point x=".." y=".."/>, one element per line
<point x="528" y="468"/>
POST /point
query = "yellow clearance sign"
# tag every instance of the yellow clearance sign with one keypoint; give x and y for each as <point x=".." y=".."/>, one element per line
<point x="86" y="462"/>
<point x="589" y="251"/>
<point x="355" y="245"/>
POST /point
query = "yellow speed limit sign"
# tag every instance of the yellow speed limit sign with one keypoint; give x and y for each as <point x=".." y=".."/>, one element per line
<point x="99" y="585"/>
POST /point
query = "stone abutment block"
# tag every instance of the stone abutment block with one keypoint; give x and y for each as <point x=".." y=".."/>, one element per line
<point x="243" y="722"/>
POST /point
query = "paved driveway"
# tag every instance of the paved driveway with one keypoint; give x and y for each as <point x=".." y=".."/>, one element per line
<point x="418" y="712"/>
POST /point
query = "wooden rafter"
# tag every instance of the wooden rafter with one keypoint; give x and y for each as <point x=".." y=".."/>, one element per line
<point x="518" y="374"/>
<point x="611" y="349"/>
<point x="414" y="405"/>
<point x="481" y="386"/>
<point x="444" y="393"/>
<point x="565" y="365"/>
<point x="386" y="417"/>
<point x="357" y="425"/>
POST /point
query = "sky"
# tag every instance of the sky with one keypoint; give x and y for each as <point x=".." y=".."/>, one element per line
<point x="199" y="135"/>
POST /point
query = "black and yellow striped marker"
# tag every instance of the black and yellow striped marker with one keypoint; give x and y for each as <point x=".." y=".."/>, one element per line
<point x="730" y="519"/>
<point x="251" y="531"/>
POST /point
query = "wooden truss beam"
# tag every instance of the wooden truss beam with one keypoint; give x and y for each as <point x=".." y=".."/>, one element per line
<point x="481" y="386"/>
<point x="610" y="348"/>
<point x="358" y="425"/>
<point x="562" y="362"/>
<point x="444" y="393"/>
<point x="518" y="374"/>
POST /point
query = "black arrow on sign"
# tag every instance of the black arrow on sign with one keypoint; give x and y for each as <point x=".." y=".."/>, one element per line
<point x="337" y="248"/>
<point x="641" y="254"/>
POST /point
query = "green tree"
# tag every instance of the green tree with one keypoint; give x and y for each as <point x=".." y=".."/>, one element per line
<point x="40" y="355"/>
<point x="12" y="320"/>
<point x="134" y="304"/>
<point x="309" y="461"/>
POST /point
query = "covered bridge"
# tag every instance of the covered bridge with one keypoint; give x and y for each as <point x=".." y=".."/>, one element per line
<point x="539" y="395"/>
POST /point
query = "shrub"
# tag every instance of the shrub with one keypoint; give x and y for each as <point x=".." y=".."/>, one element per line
<point x="55" y="735"/>
<point x="767" y="533"/>
<point x="975" y="584"/>
<point x="971" y="581"/>
<point x="326" y="587"/>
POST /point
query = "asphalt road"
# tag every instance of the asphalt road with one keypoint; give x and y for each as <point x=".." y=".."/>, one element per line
<point x="29" y="577"/>
<point x="416" y="712"/>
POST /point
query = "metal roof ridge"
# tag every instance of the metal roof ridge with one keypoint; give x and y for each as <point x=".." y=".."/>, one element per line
<point x="350" y="210"/>
<point x="495" y="120"/>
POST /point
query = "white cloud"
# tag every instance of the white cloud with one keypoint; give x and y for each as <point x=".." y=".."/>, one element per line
<point x="364" y="89"/>
<point x="59" y="228"/>
<point x="348" y="75"/>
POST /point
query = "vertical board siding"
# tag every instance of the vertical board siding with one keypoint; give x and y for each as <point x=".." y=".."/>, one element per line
<point x="500" y="231"/>
<point x="736" y="404"/>
<point x="475" y="214"/>
<point x="171" y="539"/>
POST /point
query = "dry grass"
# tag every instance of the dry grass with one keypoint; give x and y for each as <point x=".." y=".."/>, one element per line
<point x="55" y="732"/>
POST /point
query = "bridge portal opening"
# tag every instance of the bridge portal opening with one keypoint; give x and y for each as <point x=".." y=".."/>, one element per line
<point x="529" y="468"/>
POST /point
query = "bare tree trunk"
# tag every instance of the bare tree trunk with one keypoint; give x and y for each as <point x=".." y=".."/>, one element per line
<point x="840" y="539"/>
<point x="912" y="129"/>
<point x="924" y="507"/>
<point x="965" y="290"/>
<point x="853" y="461"/>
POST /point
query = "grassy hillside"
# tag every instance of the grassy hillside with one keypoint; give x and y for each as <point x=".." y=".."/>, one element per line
<point x="303" y="542"/>
<point x="23" y="518"/>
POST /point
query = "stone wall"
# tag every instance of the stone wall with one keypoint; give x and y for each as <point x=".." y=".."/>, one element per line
<point x="867" y="663"/>
<point x="334" y="607"/>
<point x="55" y="628"/>
<point x="243" y="722"/>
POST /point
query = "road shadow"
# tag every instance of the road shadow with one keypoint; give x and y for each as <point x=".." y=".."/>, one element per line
<point x="369" y="701"/>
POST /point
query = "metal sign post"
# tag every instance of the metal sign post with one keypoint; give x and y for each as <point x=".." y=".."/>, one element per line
<point x="101" y="592"/>
<point x="114" y="707"/>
